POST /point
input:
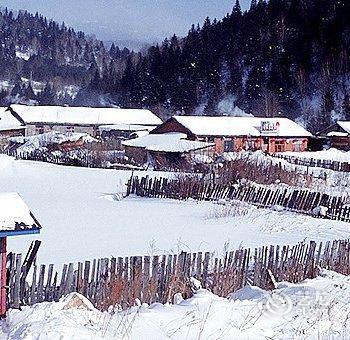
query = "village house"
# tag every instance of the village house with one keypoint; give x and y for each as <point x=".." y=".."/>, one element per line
<point x="167" y="150"/>
<point x="240" y="133"/>
<point x="10" y="126"/>
<point x="64" y="119"/>
<point x="337" y="135"/>
<point x="115" y="134"/>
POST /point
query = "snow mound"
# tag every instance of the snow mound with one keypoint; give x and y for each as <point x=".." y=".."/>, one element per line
<point x="248" y="293"/>
<point x="313" y="309"/>
<point x="76" y="300"/>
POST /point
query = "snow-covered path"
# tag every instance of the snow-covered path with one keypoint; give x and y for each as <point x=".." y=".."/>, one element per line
<point x="82" y="221"/>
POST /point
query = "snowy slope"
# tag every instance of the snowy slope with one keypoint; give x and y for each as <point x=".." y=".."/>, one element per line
<point x="313" y="309"/>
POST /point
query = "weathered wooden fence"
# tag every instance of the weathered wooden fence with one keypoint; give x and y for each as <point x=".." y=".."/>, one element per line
<point x="313" y="162"/>
<point x="150" y="279"/>
<point x="298" y="200"/>
<point x="81" y="158"/>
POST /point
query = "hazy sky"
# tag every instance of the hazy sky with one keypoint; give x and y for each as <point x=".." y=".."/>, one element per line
<point x="145" y="20"/>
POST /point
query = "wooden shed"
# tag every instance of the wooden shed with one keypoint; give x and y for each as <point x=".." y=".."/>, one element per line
<point x="337" y="135"/>
<point x="167" y="150"/>
<point x="15" y="219"/>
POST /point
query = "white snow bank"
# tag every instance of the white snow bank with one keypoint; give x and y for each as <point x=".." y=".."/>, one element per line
<point x="313" y="309"/>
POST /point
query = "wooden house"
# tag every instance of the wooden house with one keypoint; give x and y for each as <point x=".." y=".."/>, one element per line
<point x="240" y="133"/>
<point x="115" y="134"/>
<point x="10" y="126"/>
<point x="15" y="219"/>
<point x="337" y="135"/>
<point x="42" y="119"/>
<point x="167" y="150"/>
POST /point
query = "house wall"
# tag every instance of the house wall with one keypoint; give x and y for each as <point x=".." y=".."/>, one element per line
<point x="138" y="154"/>
<point x="287" y="144"/>
<point x="341" y="143"/>
<point x="35" y="129"/>
<point x="266" y="144"/>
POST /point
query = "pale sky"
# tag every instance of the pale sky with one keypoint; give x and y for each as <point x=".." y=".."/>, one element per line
<point x="138" y="20"/>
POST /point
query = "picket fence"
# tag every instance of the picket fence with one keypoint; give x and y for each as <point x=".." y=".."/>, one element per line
<point x="313" y="162"/>
<point x="298" y="200"/>
<point x="123" y="281"/>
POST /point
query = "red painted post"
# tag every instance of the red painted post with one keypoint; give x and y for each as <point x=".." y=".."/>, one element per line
<point x="3" y="295"/>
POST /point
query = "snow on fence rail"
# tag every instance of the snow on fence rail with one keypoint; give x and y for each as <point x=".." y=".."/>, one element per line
<point x="299" y="200"/>
<point x="315" y="163"/>
<point x="127" y="281"/>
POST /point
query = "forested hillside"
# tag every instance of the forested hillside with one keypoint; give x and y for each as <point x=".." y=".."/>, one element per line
<point x="280" y="57"/>
<point x="47" y="62"/>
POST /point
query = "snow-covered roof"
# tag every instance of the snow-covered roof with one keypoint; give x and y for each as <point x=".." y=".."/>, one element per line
<point x="37" y="142"/>
<point x="127" y="127"/>
<point x="85" y="115"/>
<point x="15" y="216"/>
<point x="8" y="121"/>
<point x="167" y="142"/>
<point x="337" y="134"/>
<point x="242" y="126"/>
<point x="345" y="125"/>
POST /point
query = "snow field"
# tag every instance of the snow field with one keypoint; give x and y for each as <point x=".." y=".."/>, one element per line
<point x="83" y="218"/>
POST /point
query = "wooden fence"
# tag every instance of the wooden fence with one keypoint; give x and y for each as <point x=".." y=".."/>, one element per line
<point x="313" y="162"/>
<point x="150" y="279"/>
<point x="298" y="200"/>
<point x="81" y="158"/>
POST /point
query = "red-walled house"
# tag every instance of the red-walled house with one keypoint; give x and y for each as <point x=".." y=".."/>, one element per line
<point x="240" y="133"/>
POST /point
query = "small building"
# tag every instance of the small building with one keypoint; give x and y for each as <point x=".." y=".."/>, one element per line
<point x="49" y="141"/>
<point x="240" y="133"/>
<point x="167" y="150"/>
<point x="42" y="119"/>
<point x="337" y="135"/>
<point x="115" y="134"/>
<point x="10" y="126"/>
<point x="15" y="219"/>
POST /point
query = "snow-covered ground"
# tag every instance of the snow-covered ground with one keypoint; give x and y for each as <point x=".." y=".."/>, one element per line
<point x="332" y="182"/>
<point x="313" y="309"/>
<point x="82" y="217"/>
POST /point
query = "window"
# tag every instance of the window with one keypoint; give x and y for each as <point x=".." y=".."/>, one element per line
<point x="279" y="146"/>
<point x="297" y="146"/>
<point x="70" y="129"/>
<point x="229" y="145"/>
<point x="39" y="129"/>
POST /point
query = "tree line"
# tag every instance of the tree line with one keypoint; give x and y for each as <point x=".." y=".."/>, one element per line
<point x="279" y="58"/>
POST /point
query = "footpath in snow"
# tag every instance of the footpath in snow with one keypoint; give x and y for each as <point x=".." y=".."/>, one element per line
<point x="314" y="309"/>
